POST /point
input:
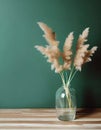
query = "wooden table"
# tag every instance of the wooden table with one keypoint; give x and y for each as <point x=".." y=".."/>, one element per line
<point x="45" y="119"/>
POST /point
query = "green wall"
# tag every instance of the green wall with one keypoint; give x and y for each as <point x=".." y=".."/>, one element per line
<point x="25" y="78"/>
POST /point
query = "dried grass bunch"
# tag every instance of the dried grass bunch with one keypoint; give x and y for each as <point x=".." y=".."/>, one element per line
<point x="53" y="53"/>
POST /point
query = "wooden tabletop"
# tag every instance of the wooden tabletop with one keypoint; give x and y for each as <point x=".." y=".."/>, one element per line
<point x="45" y="119"/>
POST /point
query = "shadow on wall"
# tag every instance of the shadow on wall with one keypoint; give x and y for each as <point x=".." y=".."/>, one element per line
<point x="89" y="98"/>
<point x="93" y="89"/>
<point x="95" y="66"/>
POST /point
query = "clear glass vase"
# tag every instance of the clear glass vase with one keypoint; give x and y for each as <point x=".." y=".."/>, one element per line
<point x="66" y="104"/>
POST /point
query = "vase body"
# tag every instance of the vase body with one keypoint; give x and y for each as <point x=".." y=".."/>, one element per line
<point x="65" y="104"/>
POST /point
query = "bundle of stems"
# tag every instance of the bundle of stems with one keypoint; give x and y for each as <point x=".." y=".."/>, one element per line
<point x="66" y="80"/>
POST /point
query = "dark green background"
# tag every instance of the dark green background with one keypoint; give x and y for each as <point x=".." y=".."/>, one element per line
<point x="25" y="78"/>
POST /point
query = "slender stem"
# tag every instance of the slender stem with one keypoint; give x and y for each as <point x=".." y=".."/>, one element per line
<point x="73" y="75"/>
<point x="66" y="77"/>
<point x="67" y="83"/>
<point x="62" y="77"/>
<point x="70" y="75"/>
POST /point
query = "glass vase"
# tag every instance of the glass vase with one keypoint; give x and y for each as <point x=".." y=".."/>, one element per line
<point x="66" y="104"/>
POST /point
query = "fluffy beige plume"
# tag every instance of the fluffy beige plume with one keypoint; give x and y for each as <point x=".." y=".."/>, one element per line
<point x="82" y="53"/>
<point x="79" y="58"/>
<point x="67" y="52"/>
<point x="49" y="35"/>
<point x="89" y="53"/>
<point x="82" y="38"/>
<point x="81" y="49"/>
<point x="52" y="53"/>
<point x="55" y="65"/>
<point x="41" y="49"/>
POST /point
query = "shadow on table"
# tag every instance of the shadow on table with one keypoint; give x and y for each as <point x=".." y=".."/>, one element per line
<point x="84" y="112"/>
<point x="89" y="103"/>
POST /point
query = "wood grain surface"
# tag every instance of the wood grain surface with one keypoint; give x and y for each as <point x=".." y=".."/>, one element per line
<point x="45" y="119"/>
